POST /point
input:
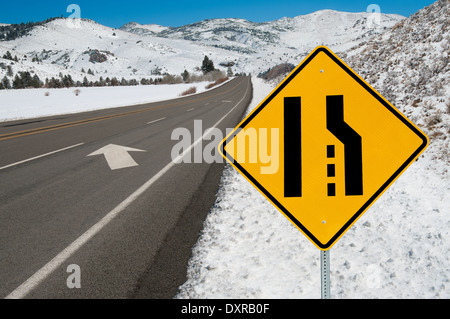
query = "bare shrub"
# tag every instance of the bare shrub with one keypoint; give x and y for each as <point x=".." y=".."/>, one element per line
<point x="436" y="135"/>
<point x="171" y="79"/>
<point x="47" y="94"/>
<point x="416" y="102"/>
<point x="208" y="77"/>
<point x="434" y="120"/>
<point x="189" y="91"/>
<point x="77" y="92"/>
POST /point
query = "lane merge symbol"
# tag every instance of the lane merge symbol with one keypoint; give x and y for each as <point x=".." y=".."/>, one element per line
<point x="342" y="131"/>
<point x="352" y="145"/>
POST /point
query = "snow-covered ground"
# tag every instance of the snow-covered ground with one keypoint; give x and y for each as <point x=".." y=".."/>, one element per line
<point x="31" y="103"/>
<point x="398" y="249"/>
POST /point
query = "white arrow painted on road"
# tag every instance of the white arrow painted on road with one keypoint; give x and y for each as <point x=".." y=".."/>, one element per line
<point x="117" y="156"/>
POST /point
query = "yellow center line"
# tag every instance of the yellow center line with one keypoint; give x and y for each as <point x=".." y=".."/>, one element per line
<point x="97" y="119"/>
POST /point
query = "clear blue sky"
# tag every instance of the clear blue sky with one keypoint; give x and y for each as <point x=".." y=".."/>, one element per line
<point x="115" y="13"/>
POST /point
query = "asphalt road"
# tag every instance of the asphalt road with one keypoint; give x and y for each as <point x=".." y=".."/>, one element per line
<point x="130" y="230"/>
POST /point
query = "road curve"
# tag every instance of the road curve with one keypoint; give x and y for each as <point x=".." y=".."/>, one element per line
<point x="127" y="228"/>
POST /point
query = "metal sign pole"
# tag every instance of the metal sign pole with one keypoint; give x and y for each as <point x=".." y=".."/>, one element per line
<point x="325" y="273"/>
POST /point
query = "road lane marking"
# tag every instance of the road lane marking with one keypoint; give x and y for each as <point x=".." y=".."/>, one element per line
<point x="190" y="110"/>
<point x="117" y="156"/>
<point x="32" y="282"/>
<point x="155" y="121"/>
<point x="40" y="156"/>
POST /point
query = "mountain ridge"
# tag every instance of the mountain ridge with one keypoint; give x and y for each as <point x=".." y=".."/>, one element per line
<point x="137" y="51"/>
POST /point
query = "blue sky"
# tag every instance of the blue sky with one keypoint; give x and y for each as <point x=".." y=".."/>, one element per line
<point x="116" y="13"/>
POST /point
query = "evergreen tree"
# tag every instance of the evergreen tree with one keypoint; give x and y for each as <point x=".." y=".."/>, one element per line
<point x="36" y="82"/>
<point x="9" y="71"/>
<point x="185" y="75"/>
<point x="207" y="65"/>
<point x="17" y="82"/>
<point x="85" y="82"/>
<point x="27" y="80"/>
<point x="6" y="83"/>
<point x="114" y="81"/>
<point x="8" y="56"/>
<point x="54" y="83"/>
<point x="51" y="83"/>
<point x="66" y="81"/>
<point x="229" y="72"/>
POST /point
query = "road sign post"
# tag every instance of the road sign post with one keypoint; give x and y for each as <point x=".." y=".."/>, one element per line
<point x="325" y="274"/>
<point x="336" y="146"/>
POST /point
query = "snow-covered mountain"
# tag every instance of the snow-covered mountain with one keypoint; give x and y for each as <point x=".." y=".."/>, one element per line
<point x="71" y="46"/>
<point x="269" y="43"/>
<point x="146" y="29"/>
<point x="322" y="27"/>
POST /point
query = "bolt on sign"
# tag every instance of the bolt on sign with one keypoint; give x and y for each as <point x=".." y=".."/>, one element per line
<point x="323" y="147"/>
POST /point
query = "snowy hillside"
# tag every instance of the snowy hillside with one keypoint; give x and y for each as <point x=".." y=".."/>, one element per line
<point x="400" y="248"/>
<point x="75" y="46"/>
<point x="72" y="46"/>
<point x="409" y="65"/>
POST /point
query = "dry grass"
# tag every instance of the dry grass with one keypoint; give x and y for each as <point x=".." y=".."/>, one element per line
<point x="189" y="91"/>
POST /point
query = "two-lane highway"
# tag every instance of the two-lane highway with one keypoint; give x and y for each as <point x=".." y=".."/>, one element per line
<point x="99" y="190"/>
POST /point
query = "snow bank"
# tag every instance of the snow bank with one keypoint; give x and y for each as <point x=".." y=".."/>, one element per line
<point x="32" y="103"/>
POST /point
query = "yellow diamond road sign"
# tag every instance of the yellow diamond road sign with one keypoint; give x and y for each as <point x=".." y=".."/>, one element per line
<point x="323" y="147"/>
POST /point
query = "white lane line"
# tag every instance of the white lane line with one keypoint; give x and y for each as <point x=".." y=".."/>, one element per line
<point x="155" y="121"/>
<point x="40" y="156"/>
<point x="227" y="101"/>
<point x="32" y="282"/>
<point x="190" y="110"/>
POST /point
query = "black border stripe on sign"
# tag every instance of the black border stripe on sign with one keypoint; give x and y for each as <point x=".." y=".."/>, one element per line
<point x="371" y="199"/>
